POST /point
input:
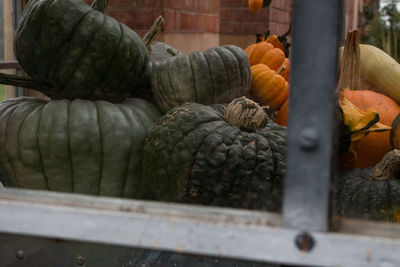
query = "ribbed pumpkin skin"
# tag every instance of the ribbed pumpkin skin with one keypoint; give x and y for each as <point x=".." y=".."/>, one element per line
<point x="358" y="195"/>
<point x="78" y="51"/>
<point x="161" y="51"/>
<point x="193" y="155"/>
<point x="75" y="146"/>
<point x="215" y="75"/>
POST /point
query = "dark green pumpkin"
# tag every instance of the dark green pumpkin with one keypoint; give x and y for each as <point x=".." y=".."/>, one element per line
<point x="193" y="155"/>
<point x="215" y="75"/>
<point x="79" y="51"/>
<point x="370" y="193"/>
<point x="82" y="146"/>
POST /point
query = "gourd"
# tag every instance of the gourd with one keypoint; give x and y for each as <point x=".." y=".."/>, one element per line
<point x="373" y="147"/>
<point x="82" y="146"/>
<point x="217" y="155"/>
<point x="380" y="71"/>
<point x="256" y="51"/>
<point x="255" y="5"/>
<point x="78" y="51"/>
<point x="215" y="75"/>
<point x="268" y="87"/>
<point x="371" y="192"/>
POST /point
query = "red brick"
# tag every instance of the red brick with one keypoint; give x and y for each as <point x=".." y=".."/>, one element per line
<point x="121" y="3"/>
<point x="225" y="14"/>
<point x="177" y="4"/>
<point x="235" y="3"/>
<point x="258" y="27"/>
<point x="170" y="20"/>
<point x="227" y="27"/>
<point x="187" y="22"/>
<point x="260" y="15"/>
<point x="240" y="14"/>
<point x="225" y="3"/>
<point x="190" y="5"/>
<point x="212" y="24"/>
<point x="216" y="6"/>
<point x="136" y="19"/>
<point x="204" y="6"/>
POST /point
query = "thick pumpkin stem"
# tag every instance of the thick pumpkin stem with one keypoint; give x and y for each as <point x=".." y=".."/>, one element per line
<point x="245" y="114"/>
<point x="152" y="32"/>
<point x="388" y="166"/>
<point x="350" y="67"/>
<point x="19" y="81"/>
<point x="100" y="5"/>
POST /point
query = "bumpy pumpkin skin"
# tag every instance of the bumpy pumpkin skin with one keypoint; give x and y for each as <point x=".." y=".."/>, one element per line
<point x="77" y="146"/>
<point x="360" y="196"/>
<point x="215" y="75"/>
<point x="78" y="51"/>
<point x="193" y="155"/>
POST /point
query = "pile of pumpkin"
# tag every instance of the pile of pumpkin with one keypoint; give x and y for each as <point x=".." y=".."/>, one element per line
<point x="135" y="118"/>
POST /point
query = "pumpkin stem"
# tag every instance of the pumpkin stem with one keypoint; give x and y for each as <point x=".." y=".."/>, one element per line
<point x="388" y="166"/>
<point x="350" y="67"/>
<point x="281" y="69"/>
<point x="100" y="5"/>
<point x="24" y="82"/>
<point x="152" y="32"/>
<point x="245" y="114"/>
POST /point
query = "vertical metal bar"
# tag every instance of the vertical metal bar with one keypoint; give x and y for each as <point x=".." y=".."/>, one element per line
<point x="311" y="117"/>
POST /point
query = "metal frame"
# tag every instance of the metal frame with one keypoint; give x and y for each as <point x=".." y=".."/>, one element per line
<point x="300" y="236"/>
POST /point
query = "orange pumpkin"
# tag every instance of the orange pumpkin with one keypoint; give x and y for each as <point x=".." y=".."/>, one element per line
<point x="255" y="5"/>
<point x="256" y="51"/>
<point x="281" y="117"/>
<point x="273" y="58"/>
<point x="268" y="88"/>
<point x="374" y="146"/>
<point x="284" y="69"/>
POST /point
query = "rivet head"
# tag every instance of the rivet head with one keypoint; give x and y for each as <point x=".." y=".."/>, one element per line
<point x="80" y="260"/>
<point x="304" y="242"/>
<point x="309" y="138"/>
<point x="20" y="254"/>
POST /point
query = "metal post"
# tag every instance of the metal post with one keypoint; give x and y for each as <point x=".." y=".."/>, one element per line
<point x="311" y="120"/>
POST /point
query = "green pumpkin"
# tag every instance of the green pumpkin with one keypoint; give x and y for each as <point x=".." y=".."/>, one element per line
<point x="193" y="155"/>
<point x="370" y="193"/>
<point x="216" y="75"/>
<point x="82" y="146"/>
<point x="79" y="51"/>
<point x="161" y="51"/>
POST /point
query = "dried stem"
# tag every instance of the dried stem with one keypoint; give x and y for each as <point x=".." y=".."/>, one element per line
<point x="19" y="81"/>
<point x="350" y="69"/>
<point x="152" y="32"/>
<point x="100" y="5"/>
<point x="389" y="164"/>
<point x="245" y="114"/>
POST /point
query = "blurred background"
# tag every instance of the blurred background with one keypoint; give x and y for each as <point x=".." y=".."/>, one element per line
<point x="192" y="25"/>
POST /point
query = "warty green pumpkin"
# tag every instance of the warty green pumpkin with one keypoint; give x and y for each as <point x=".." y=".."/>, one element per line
<point x="82" y="146"/>
<point x="216" y="75"/>
<point x="79" y="51"/>
<point x="372" y="192"/>
<point x="195" y="155"/>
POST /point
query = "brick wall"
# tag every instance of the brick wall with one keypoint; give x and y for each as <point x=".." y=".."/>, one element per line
<point x="236" y="17"/>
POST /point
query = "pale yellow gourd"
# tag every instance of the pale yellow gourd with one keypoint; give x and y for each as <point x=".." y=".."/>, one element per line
<point x="380" y="70"/>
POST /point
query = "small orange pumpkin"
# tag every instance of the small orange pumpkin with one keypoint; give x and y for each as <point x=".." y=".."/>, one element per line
<point x="255" y="5"/>
<point x="256" y="51"/>
<point x="281" y="117"/>
<point x="273" y="58"/>
<point x="268" y="87"/>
